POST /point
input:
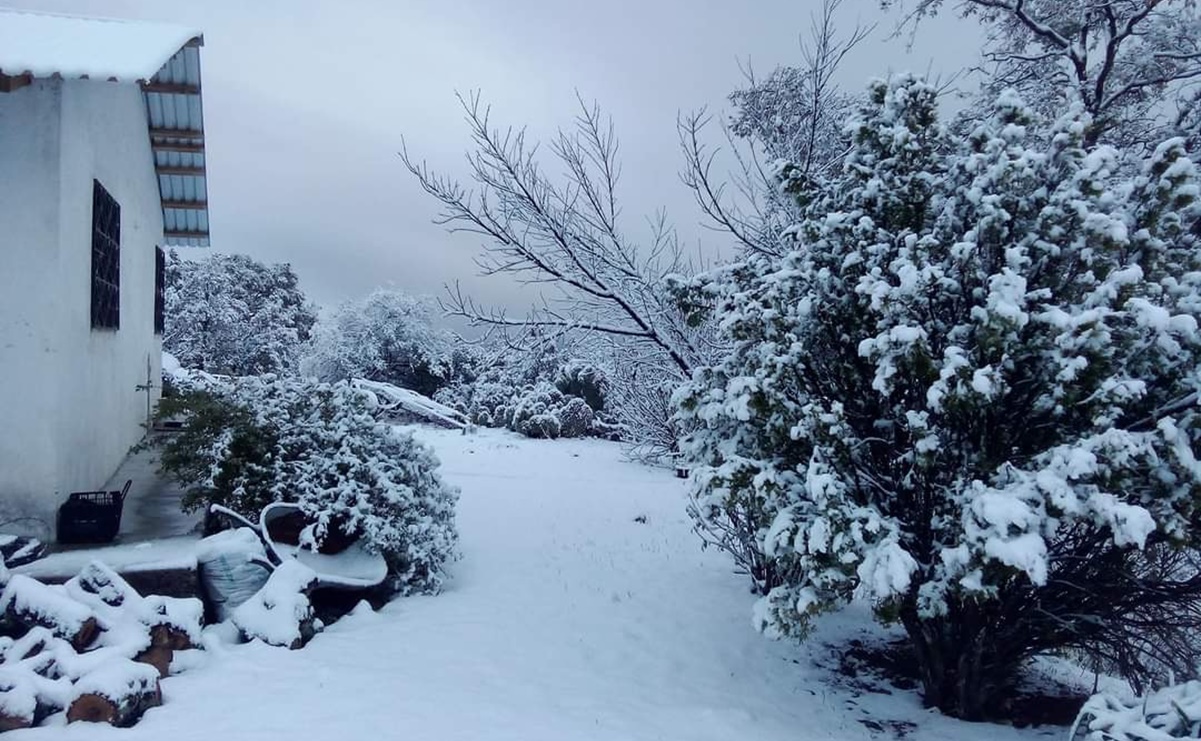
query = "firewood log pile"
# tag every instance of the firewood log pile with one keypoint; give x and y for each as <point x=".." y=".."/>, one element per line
<point x="92" y="648"/>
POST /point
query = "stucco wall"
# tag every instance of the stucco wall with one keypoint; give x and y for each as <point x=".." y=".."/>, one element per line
<point x="29" y="244"/>
<point x="84" y="399"/>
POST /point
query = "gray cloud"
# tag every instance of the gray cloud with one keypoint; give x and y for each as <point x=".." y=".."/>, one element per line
<point x="306" y="103"/>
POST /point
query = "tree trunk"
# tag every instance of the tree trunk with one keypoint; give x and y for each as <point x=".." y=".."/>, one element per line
<point x="962" y="665"/>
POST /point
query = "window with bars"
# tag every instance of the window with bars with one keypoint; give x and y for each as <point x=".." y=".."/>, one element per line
<point x="106" y="259"/>
<point x="160" y="287"/>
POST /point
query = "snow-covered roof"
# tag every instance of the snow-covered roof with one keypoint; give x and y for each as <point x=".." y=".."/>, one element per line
<point x="44" y="44"/>
<point x="163" y="58"/>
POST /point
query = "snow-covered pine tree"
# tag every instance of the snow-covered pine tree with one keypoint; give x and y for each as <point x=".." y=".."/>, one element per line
<point x="969" y="394"/>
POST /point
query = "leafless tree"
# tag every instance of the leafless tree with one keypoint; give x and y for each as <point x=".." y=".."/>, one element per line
<point x="1135" y="65"/>
<point x="563" y="236"/>
<point x="793" y="115"/>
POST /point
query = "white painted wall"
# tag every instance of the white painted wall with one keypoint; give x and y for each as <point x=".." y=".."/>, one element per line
<point x="80" y="393"/>
<point x="29" y="245"/>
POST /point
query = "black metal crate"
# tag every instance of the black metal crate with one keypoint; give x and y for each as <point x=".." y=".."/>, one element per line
<point x="91" y="516"/>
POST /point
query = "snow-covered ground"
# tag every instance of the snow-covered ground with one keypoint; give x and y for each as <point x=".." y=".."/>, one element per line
<point x="566" y="619"/>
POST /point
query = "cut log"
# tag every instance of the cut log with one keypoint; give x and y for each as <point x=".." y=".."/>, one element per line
<point x="117" y="694"/>
<point x="102" y="583"/>
<point x="38" y="652"/>
<point x="18" y="550"/>
<point x="12" y="723"/>
<point x="122" y="713"/>
<point x="27" y="603"/>
<point x="18" y="701"/>
<point x="164" y="642"/>
<point x="159" y="657"/>
<point x="26" y="699"/>
<point x="115" y="600"/>
<point x="181" y="617"/>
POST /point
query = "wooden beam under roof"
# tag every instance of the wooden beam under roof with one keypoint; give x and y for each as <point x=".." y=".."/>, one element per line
<point x="177" y="134"/>
<point x="177" y="147"/>
<point x="178" y="170"/>
<point x="181" y="88"/>
<point x="9" y="83"/>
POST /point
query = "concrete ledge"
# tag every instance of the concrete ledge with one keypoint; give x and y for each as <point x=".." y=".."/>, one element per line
<point x="165" y="566"/>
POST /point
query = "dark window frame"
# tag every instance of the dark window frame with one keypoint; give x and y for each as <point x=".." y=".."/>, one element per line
<point x="106" y="259"/>
<point x="160" y="289"/>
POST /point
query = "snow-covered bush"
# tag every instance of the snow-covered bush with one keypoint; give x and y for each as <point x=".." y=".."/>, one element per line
<point x="542" y="393"/>
<point x="576" y="418"/>
<point x="388" y="336"/>
<point x="538" y="410"/>
<point x="252" y="441"/>
<point x="231" y="314"/>
<point x="579" y="378"/>
<point x="968" y="392"/>
<point x="1168" y="714"/>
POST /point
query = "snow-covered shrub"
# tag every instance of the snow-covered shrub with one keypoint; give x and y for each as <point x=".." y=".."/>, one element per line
<point x="388" y="336"/>
<point x="1164" y="715"/>
<point x="968" y="392"/>
<point x="576" y="377"/>
<point x="231" y="314"/>
<point x="252" y="441"/>
<point x="575" y="417"/>
<point x="535" y="411"/>
<point x="544" y="393"/>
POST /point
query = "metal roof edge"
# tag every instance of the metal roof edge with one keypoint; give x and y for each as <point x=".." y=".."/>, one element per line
<point x="175" y="126"/>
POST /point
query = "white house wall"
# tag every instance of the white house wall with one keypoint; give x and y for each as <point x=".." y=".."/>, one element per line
<point x="101" y="409"/>
<point x="29" y="300"/>
<point x="75" y="407"/>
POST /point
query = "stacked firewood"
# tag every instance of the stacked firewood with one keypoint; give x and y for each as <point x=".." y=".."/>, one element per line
<point x="93" y="648"/>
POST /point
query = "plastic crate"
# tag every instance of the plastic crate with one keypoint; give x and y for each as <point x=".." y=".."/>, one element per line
<point x="91" y="516"/>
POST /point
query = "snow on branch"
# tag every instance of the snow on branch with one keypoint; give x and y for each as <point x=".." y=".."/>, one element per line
<point x="564" y="234"/>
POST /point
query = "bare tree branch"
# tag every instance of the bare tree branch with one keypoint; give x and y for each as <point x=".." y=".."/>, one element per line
<point x="562" y="233"/>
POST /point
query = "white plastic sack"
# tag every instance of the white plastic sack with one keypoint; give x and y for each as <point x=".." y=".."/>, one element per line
<point x="233" y="567"/>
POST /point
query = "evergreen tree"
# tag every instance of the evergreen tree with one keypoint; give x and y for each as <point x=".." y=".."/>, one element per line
<point x="233" y="315"/>
<point x="967" y="393"/>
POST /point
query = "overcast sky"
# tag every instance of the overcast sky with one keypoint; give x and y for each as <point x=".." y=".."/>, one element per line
<point x="305" y="103"/>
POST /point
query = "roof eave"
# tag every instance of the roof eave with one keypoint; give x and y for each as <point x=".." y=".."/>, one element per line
<point x="175" y="118"/>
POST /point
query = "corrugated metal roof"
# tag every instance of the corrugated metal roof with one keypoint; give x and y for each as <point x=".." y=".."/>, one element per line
<point x="35" y="45"/>
<point x="45" y="44"/>
<point x="175" y="113"/>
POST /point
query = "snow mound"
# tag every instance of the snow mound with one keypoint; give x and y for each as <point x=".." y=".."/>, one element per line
<point x="1169" y="714"/>
<point x="279" y="613"/>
